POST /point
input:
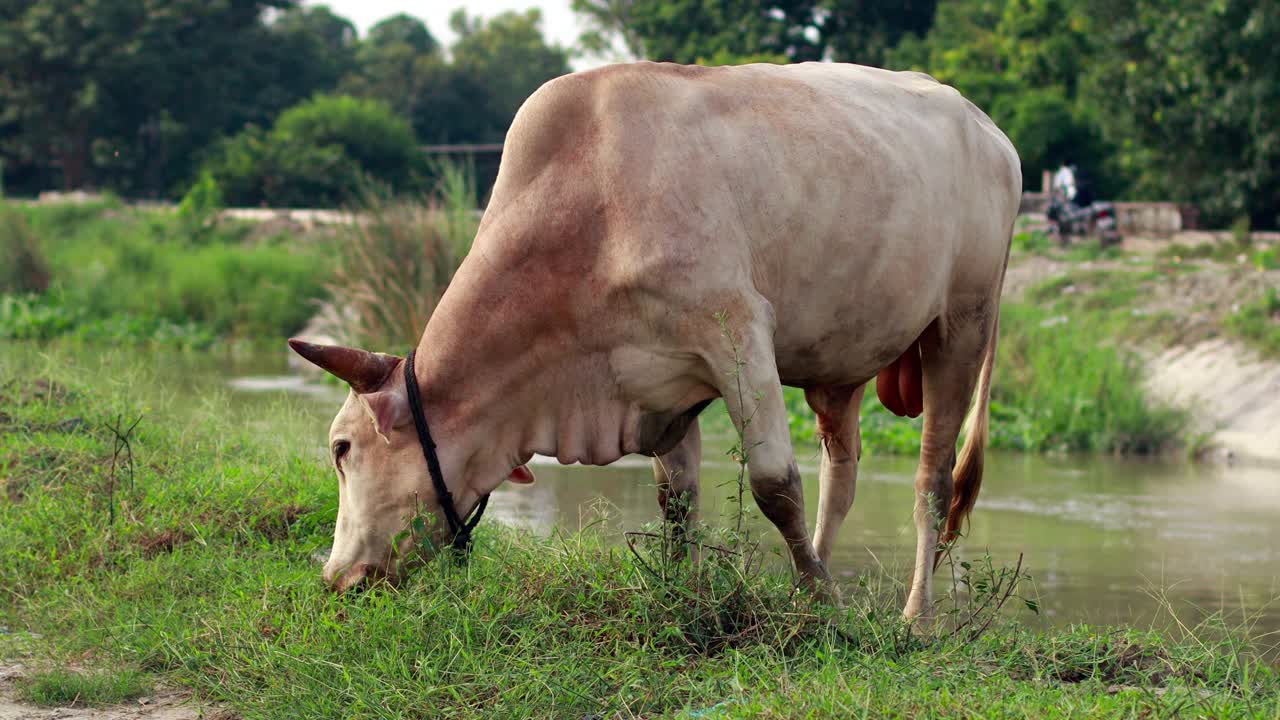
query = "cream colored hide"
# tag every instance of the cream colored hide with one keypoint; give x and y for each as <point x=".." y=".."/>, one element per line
<point x="844" y="220"/>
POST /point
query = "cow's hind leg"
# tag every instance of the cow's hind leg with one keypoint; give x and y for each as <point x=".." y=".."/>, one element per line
<point x="952" y="360"/>
<point x="676" y="473"/>
<point x="746" y="373"/>
<point x="837" y="410"/>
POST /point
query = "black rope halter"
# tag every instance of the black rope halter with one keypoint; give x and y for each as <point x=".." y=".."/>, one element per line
<point x="461" y="529"/>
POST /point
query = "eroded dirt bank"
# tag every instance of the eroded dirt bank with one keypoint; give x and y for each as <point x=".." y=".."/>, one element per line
<point x="1180" y="308"/>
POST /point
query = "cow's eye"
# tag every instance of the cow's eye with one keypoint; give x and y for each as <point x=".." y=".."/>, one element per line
<point x="340" y="448"/>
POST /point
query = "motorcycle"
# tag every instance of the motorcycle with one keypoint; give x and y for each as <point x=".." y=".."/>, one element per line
<point x="1073" y="212"/>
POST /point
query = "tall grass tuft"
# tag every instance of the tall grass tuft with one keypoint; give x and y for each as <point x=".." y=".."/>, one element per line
<point x="396" y="260"/>
<point x="63" y="687"/>
<point x="1062" y="387"/>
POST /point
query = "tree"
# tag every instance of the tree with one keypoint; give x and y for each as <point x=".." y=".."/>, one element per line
<point x="610" y="22"/>
<point x="865" y="31"/>
<point x="1191" y="90"/>
<point x="1021" y="61"/>
<point x="686" y="31"/>
<point x="452" y="105"/>
<point x="392" y="63"/>
<point x="793" y="30"/>
<point x="506" y="55"/>
<point x="402" y="29"/>
<point x="306" y="50"/>
<point x="127" y="94"/>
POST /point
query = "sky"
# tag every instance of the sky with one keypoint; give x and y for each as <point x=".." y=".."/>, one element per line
<point x="558" y="22"/>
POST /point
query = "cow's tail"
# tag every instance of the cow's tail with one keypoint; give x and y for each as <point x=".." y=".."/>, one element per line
<point x="966" y="479"/>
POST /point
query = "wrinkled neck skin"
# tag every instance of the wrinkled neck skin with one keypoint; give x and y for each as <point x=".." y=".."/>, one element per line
<point x="502" y="377"/>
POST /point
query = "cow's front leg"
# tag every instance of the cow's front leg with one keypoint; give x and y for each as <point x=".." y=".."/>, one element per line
<point x="676" y="473"/>
<point x="748" y="382"/>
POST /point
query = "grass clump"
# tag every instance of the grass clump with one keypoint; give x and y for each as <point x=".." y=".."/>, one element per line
<point x="68" y="688"/>
<point x="395" y="264"/>
<point x="1257" y="322"/>
<point x="1032" y="242"/>
<point x="1061" y="389"/>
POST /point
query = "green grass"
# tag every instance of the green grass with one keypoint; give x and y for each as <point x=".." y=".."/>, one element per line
<point x="1061" y="386"/>
<point x="66" y="688"/>
<point x="135" y="274"/>
<point x="1257" y="322"/>
<point x="192" y="565"/>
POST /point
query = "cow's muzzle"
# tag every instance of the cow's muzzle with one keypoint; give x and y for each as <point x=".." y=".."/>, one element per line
<point x="357" y="577"/>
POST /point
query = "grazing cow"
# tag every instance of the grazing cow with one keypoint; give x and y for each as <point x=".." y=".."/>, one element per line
<point x="843" y="223"/>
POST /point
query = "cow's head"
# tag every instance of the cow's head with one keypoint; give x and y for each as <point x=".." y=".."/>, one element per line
<point x="383" y="481"/>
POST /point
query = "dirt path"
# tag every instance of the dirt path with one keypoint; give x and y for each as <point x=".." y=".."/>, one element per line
<point x="1232" y="394"/>
<point x="161" y="705"/>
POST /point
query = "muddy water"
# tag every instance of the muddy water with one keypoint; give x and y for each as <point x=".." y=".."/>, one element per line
<point x="1106" y="540"/>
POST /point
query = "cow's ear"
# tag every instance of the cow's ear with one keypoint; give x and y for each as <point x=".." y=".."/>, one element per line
<point x="387" y="410"/>
<point x="521" y="475"/>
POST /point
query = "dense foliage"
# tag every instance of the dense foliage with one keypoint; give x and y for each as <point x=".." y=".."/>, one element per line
<point x="318" y="153"/>
<point x="1156" y="99"/>
<point x="136" y="95"/>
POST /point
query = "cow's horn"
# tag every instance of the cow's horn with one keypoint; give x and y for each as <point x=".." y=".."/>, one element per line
<point x="363" y="370"/>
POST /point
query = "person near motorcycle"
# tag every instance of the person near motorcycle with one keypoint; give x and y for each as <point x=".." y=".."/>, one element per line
<point x="1073" y="209"/>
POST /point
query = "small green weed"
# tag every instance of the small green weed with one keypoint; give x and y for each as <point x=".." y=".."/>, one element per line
<point x="1032" y="242"/>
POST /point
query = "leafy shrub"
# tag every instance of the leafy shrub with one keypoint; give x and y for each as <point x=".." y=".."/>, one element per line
<point x="318" y="154"/>
<point x="28" y="317"/>
<point x="1240" y="234"/>
<point x="44" y="317"/>
<point x="198" y="211"/>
